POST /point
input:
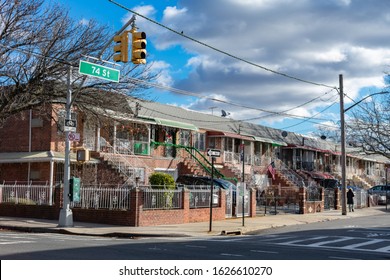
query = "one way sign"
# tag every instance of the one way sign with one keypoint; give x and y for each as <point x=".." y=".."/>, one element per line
<point x="213" y="152"/>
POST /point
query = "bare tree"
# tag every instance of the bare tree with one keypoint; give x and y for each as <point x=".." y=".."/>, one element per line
<point x="38" y="44"/>
<point x="370" y="126"/>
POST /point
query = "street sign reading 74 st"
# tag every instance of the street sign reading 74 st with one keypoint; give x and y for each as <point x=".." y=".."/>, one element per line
<point x="99" y="71"/>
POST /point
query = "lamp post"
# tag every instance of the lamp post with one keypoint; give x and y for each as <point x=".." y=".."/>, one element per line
<point x="343" y="152"/>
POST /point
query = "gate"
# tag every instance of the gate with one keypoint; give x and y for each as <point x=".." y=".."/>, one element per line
<point x="229" y="203"/>
<point x="274" y="200"/>
<point x="329" y="199"/>
<point x="242" y="191"/>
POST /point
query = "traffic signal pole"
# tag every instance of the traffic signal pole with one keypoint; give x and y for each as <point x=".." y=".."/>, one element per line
<point x="66" y="214"/>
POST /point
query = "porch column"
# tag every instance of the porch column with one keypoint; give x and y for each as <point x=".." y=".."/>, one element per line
<point x="114" y="138"/>
<point x="97" y="148"/>
<point x="51" y="181"/>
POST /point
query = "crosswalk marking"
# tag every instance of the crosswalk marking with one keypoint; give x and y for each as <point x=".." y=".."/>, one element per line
<point x="331" y="241"/>
<point x="353" y="246"/>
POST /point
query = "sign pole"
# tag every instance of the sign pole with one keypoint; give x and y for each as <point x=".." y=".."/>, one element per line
<point x="66" y="215"/>
<point x="211" y="193"/>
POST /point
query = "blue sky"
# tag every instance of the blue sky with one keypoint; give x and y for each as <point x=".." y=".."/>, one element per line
<point x="311" y="42"/>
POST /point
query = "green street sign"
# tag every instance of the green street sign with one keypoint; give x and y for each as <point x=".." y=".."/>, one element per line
<point x="99" y="71"/>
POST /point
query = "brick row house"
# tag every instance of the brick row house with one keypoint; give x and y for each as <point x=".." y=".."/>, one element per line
<point x="127" y="144"/>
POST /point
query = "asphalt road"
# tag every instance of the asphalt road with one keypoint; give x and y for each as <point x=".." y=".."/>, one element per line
<point x="365" y="238"/>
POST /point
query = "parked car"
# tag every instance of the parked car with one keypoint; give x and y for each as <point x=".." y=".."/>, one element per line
<point x="201" y="183"/>
<point x="380" y="191"/>
<point x="330" y="183"/>
<point x="194" y="180"/>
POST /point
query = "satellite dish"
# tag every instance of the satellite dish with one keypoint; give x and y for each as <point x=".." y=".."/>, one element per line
<point x="284" y="133"/>
<point x="224" y="113"/>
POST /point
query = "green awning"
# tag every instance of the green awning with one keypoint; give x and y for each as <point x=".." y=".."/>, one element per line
<point x="176" y="124"/>
<point x="268" y="140"/>
<point x="43" y="156"/>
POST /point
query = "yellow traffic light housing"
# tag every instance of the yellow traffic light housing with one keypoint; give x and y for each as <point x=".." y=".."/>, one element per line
<point x="122" y="47"/>
<point x="138" y="47"/>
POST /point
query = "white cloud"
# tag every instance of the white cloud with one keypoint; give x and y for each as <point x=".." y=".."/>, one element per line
<point x="84" y="21"/>
<point x="314" y="41"/>
<point x="171" y="13"/>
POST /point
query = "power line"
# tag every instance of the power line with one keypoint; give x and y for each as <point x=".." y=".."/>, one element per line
<point x="219" y="50"/>
<point x="311" y="117"/>
<point x="270" y="113"/>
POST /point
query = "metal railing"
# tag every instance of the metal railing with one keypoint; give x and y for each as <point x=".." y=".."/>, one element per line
<point x="134" y="169"/>
<point x="291" y="175"/>
<point x="200" y="198"/>
<point x="103" y="198"/>
<point x="26" y="194"/>
<point x="162" y="199"/>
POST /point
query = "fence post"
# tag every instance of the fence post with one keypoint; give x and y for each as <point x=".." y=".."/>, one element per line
<point x="186" y="205"/>
<point x="252" y="202"/>
<point x="136" y="202"/>
<point x="336" y="199"/>
<point x="302" y="200"/>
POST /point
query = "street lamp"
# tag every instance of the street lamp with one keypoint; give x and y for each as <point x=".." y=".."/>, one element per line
<point x="343" y="152"/>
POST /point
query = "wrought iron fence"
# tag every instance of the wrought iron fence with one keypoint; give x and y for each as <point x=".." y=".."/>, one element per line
<point x="103" y="198"/>
<point x="313" y="194"/>
<point x="162" y="199"/>
<point x="200" y="198"/>
<point x="26" y="194"/>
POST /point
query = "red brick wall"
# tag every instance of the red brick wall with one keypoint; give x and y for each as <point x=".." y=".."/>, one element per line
<point x="19" y="172"/>
<point x="15" y="133"/>
<point x="136" y="216"/>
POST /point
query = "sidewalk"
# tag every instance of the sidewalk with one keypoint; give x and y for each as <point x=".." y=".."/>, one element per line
<point x="226" y="227"/>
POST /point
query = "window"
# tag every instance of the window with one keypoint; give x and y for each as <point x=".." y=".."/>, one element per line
<point x="199" y="141"/>
<point x="185" y="137"/>
<point x="212" y="142"/>
<point x="171" y="171"/>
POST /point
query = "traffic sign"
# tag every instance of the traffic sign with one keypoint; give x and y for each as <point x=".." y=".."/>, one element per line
<point x="74" y="137"/>
<point x="70" y="125"/>
<point x="213" y="152"/>
<point x="99" y="71"/>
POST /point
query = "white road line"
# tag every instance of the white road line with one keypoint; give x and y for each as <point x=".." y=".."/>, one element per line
<point x="292" y="242"/>
<point x="196" y="246"/>
<point x="383" y="249"/>
<point x="231" y="255"/>
<point x="14" y="242"/>
<point x="353" y="246"/>
<point x="341" y="258"/>
<point x="331" y="241"/>
<point x="266" y="252"/>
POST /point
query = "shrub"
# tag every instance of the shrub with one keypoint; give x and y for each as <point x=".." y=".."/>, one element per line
<point x="162" y="181"/>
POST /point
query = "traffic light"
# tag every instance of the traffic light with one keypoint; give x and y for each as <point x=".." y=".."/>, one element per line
<point x="122" y="47"/>
<point x="83" y="155"/>
<point x="138" y="47"/>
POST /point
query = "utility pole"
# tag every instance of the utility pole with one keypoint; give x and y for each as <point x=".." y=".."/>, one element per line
<point x="243" y="182"/>
<point x="66" y="214"/>
<point x="343" y="153"/>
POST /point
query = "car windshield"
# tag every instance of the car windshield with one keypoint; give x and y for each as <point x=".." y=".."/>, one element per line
<point x="225" y="184"/>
